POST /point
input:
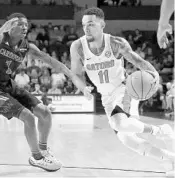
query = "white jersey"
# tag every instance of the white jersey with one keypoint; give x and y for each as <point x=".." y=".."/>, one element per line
<point x="105" y="71"/>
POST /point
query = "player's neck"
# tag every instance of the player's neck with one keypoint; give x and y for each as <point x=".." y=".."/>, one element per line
<point x="14" y="41"/>
<point x="97" y="43"/>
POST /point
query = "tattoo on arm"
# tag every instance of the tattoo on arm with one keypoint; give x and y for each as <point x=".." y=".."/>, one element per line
<point x="134" y="58"/>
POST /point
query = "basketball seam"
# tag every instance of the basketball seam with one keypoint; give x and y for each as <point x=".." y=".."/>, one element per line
<point x="142" y="83"/>
<point x="149" y="91"/>
<point x="134" y="88"/>
<point x="133" y="96"/>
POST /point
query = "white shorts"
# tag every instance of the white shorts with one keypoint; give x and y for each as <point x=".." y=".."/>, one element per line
<point x="119" y="97"/>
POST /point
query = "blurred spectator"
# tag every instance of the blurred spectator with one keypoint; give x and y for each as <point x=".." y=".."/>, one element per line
<point x="149" y="54"/>
<point x="69" y="88"/>
<point x="140" y="52"/>
<point x="33" y="72"/>
<point x="169" y="97"/>
<point x="55" y="90"/>
<point x="130" y="40"/>
<point x="138" y="38"/>
<point x="54" y="35"/>
<point x="70" y="37"/>
<point x="145" y="46"/>
<point x="65" y="59"/>
<point x="42" y="36"/>
<point x="31" y="36"/>
<point x="57" y="79"/>
<point x="45" y="79"/>
<point x="123" y="3"/>
<point x="22" y="79"/>
<point x="37" y="89"/>
<point x="54" y="54"/>
<point x="61" y="32"/>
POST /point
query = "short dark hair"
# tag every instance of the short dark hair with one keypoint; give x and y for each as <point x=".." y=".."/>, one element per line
<point x="95" y="11"/>
<point x="16" y="14"/>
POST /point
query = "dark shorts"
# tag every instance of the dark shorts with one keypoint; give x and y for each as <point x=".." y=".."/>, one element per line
<point x="14" y="99"/>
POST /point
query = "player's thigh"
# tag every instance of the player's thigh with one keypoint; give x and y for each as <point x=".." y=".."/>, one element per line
<point x="116" y="99"/>
<point x="25" y="98"/>
<point x="9" y="106"/>
<point x="118" y="107"/>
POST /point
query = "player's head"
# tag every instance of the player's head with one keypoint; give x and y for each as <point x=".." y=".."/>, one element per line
<point x="21" y="25"/>
<point x="93" y="23"/>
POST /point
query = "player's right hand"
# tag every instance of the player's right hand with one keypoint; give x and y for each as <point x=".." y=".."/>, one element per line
<point x="8" y="25"/>
<point x="155" y="81"/>
<point x="87" y="92"/>
<point x="162" y="35"/>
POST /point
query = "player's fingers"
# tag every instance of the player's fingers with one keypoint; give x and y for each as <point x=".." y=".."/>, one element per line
<point x="89" y="97"/>
<point x="91" y="88"/>
<point x="169" y="29"/>
<point x="163" y="41"/>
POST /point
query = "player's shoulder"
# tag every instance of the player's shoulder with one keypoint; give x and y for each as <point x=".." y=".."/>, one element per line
<point x="76" y="44"/>
<point x="77" y="47"/>
<point x="117" y="40"/>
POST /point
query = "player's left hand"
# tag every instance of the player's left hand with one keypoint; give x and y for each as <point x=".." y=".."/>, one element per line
<point x="87" y="92"/>
<point x="162" y="35"/>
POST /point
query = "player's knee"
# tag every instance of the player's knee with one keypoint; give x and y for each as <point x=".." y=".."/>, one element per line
<point x="118" y="122"/>
<point x="118" y="119"/>
<point x="27" y="117"/>
<point x="42" y="112"/>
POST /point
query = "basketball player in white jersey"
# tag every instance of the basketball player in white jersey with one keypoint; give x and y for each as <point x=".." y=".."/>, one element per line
<point x="101" y="56"/>
<point x="166" y="10"/>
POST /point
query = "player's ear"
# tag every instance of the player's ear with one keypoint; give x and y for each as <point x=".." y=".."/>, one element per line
<point x="103" y="24"/>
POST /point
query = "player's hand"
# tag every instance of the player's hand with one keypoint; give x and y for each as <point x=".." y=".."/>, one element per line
<point x="162" y="35"/>
<point x="155" y="81"/>
<point x="87" y="92"/>
<point x="8" y="25"/>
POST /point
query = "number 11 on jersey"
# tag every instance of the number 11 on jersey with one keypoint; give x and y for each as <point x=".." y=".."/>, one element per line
<point x="103" y="76"/>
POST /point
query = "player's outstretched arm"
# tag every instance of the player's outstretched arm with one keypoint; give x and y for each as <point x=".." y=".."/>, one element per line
<point x="166" y="10"/>
<point x="34" y="51"/>
<point x="132" y="57"/>
<point x="76" y="55"/>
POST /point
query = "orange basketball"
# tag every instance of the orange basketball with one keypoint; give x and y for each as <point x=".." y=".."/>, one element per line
<point x="139" y="85"/>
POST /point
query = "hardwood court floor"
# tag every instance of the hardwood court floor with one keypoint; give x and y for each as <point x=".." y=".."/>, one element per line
<point x="86" y="146"/>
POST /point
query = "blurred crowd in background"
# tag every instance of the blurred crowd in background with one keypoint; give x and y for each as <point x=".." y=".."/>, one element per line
<point x="39" y="78"/>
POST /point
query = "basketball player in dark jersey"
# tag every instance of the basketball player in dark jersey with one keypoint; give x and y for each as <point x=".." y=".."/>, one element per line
<point x="19" y="103"/>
